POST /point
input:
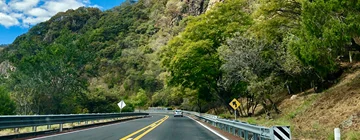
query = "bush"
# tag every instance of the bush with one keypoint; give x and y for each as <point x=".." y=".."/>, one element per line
<point x="7" y="106"/>
<point x="331" y="136"/>
<point x="128" y="108"/>
<point x="226" y="116"/>
<point x="352" y="135"/>
<point x="252" y="121"/>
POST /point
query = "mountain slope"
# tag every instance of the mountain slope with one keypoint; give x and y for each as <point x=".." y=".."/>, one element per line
<point x="315" y="115"/>
<point x="88" y="59"/>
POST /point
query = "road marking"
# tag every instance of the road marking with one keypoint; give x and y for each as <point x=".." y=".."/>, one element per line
<point x="216" y="133"/>
<point x="153" y="125"/>
<point x="147" y="131"/>
<point x="138" y="131"/>
<point x="83" y="130"/>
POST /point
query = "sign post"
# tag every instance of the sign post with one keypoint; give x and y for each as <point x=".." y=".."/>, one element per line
<point x="121" y="105"/>
<point x="235" y="105"/>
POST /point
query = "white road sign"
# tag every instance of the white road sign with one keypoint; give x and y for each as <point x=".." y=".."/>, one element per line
<point x="121" y="104"/>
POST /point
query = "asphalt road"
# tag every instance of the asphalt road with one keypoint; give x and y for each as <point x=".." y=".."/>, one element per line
<point x="157" y="127"/>
<point x="180" y="128"/>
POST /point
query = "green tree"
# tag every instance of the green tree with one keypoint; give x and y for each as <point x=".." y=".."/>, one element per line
<point x="192" y="58"/>
<point x="7" y="104"/>
<point x="256" y="63"/>
<point x="327" y="29"/>
<point x="275" y="19"/>
<point x="140" y="100"/>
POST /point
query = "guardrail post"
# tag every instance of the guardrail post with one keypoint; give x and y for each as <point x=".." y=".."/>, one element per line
<point x="61" y="127"/>
<point x="49" y="126"/>
<point x="337" y="133"/>
<point x="255" y="137"/>
<point x="246" y="136"/>
<point x="16" y="130"/>
<point x="86" y="122"/>
<point x="34" y="128"/>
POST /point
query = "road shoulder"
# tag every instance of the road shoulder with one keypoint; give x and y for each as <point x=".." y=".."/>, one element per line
<point x="217" y="130"/>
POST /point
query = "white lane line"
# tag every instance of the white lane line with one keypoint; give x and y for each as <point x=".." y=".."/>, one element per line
<point x="82" y="130"/>
<point x="216" y="133"/>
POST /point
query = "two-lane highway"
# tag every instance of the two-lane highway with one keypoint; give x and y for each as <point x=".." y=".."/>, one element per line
<point x="157" y="127"/>
<point x="181" y="128"/>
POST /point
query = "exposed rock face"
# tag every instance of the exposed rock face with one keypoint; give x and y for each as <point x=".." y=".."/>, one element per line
<point x="293" y="97"/>
<point x="196" y="7"/>
<point x="353" y="120"/>
<point x="212" y="3"/>
<point x="177" y="10"/>
<point x="5" y="67"/>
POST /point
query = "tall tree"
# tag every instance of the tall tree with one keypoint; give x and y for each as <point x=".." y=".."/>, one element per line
<point x="327" y="28"/>
<point x="7" y="104"/>
<point x="192" y="58"/>
<point x="256" y="63"/>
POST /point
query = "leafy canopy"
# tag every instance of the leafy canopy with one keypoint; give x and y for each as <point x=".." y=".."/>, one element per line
<point x="192" y="56"/>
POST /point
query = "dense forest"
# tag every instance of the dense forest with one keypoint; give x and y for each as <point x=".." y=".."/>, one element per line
<point x="189" y="54"/>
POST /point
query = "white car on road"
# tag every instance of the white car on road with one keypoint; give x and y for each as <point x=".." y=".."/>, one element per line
<point x="178" y="113"/>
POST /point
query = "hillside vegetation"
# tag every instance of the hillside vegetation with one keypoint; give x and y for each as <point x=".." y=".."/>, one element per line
<point x="312" y="115"/>
<point x="184" y="54"/>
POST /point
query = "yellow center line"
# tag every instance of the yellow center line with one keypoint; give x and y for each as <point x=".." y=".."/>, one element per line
<point x="147" y="131"/>
<point x="138" y="131"/>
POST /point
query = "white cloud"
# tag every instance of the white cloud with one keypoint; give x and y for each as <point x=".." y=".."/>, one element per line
<point x="30" y="12"/>
<point x="22" y="5"/>
<point x="34" y="20"/>
<point x="7" y="20"/>
<point x="3" y="6"/>
<point x="38" y="12"/>
<point x="96" y="6"/>
<point x="17" y="15"/>
<point x="86" y="1"/>
<point x="61" y="5"/>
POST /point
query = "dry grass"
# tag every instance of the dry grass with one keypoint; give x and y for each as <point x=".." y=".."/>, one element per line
<point x="314" y="116"/>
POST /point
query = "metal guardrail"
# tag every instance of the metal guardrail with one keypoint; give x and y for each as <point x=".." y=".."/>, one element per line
<point x="245" y="130"/>
<point x="7" y="122"/>
<point x="158" y="111"/>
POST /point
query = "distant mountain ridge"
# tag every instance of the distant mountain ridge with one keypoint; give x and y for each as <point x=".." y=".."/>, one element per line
<point x="4" y="45"/>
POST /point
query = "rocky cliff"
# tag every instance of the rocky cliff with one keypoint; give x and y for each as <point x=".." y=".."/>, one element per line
<point x="5" y="68"/>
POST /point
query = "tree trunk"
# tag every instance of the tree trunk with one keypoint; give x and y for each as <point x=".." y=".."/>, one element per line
<point x="267" y="112"/>
<point x="199" y="105"/>
<point x="248" y="105"/>
<point x="273" y="106"/>
<point x="241" y="110"/>
<point x="288" y="88"/>
<point x="253" y="109"/>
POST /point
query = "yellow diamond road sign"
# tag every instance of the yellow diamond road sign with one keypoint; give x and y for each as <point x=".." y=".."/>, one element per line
<point x="234" y="104"/>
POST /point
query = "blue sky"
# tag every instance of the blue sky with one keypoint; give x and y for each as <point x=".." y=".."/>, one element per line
<point x="18" y="16"/>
